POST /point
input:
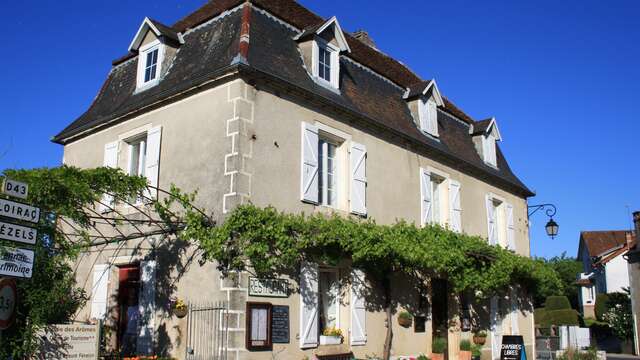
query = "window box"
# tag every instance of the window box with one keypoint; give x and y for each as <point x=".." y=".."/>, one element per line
<point x="330" y="340"/>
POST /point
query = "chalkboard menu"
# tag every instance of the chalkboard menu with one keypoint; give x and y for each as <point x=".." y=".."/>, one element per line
<point x="280" y="324"/>
<point x="512" y="348"/>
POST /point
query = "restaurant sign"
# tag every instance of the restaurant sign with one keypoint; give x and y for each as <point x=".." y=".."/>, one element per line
<point x="268" y="287"/>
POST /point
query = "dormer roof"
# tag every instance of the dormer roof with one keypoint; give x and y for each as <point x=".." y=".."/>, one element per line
<point x="484" y="127"/>
<point x="422" y="89"/>
<point x="321" y="27"/>
<point x="159" y="29"/>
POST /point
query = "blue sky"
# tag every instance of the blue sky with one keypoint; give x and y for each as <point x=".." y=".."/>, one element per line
<point x="561" y="77"/>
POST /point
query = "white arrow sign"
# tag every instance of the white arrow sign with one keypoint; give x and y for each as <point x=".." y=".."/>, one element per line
<point x="16" y="262"/>
<point x="18" y="233"/>
<point x="16" y="210"/>
<point x="15" y="188"/>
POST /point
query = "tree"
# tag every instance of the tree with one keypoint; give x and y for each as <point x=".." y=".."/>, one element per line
<point x="566" y="268"/>
<point x="619" y="315"/>
<point x="65" y="195"/>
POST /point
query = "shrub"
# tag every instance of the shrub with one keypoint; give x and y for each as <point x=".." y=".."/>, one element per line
<point x="557" y="303"/>
<point x="476" y="350"/>
<point x="422" y="357"/>
<point x="557" y="317"/>
<point x="465" y="345"/>
<point x="540" y="316"/>
<point x="439" y="345"/>
<point x="602" y="301"/>
<point x="405" y="315"/>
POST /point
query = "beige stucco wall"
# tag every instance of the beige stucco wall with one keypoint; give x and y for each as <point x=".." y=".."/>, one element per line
<point x="208" y="144"/>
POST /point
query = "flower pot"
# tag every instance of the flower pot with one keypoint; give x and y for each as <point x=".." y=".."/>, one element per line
<point x="330" y="340"/>
<point x="404" y="322"/>
<point x="435" y="356"/>
<point x="180" y="313"/>
<point x="479" y="340"/>
<point x="464" y="355"/>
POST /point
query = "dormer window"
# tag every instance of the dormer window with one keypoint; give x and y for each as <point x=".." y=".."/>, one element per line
<point x="152" y="42"/>
<point x="423" y="100"/>
<point x="429" y="116"/>
<point x="320" y="46"/>
<point x="326" y="61"/>
<point x="485" y="134"/>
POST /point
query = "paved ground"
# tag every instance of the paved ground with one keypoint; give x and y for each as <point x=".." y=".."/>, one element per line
<point x="611" y="356"/>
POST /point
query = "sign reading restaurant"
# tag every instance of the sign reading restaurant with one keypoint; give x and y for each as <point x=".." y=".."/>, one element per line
<point x="268" y="287"/>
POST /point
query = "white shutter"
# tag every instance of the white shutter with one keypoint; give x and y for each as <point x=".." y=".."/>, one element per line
<point x="147" y="307"/>
<point x="491" y="221"/>
<point x="308" y="305"/>
<point x="358" y="311"/>
<point x="99" y="291"/>
<point x="152" y="167"/>
<point x="425" y="197"/>
<point x="358" y="179"/>
<point x="110" y="160"/>
<point x="496" y="327"/>
<point x="515" y="329"/>
<point x="433" y="117"/>
<point x="511" y="234"/>
<point x="455" y="209"/>
<point x="309" y="176"/>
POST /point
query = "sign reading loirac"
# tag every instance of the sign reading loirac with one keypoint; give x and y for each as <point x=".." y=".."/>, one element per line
<point x="268" y="287"/>
<point x="19" y="211"/>
<point x="15" y="188"/>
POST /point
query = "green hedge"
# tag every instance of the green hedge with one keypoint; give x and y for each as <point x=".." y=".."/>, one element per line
<point x="547" y="318"/>
<point x="601" y="305"/>
<point x="557" y="303"/>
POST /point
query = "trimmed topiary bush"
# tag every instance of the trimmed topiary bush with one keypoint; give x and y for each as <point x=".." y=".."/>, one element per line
<point x="540" y="316"/>
<point x="557" y="303"/>
<point x="602" y="306"/>
<point x="562" y="317"/>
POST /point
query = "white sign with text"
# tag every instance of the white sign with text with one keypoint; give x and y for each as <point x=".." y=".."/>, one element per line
<point x="18" y="233"/>
<point x="15" y="188"/>
<point x="19" y="211"/>
<point x="16" y="262"/>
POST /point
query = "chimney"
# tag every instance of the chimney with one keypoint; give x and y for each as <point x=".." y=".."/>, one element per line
<point x="364" y="38"/>
<point x="636" y="223"/>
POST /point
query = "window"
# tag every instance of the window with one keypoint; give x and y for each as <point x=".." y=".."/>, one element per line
<point x="500" y="221"/>
<point x="328" y="173"/>
<point x="428" y="114"/>
<point x="151" y="65"/>
<point x="489" y="149"/>
<point x="440" y="199"/>
<point x="590" y="294"/>
<point x="150" y="58"/>
<point x="137" y="156"/>
<point x="258" y="326"/>
<point x="326" y="63"/>
<point x="329" y="291"/>
<point x="439" y="203"/>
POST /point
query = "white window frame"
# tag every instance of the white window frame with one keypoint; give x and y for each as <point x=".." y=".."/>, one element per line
<point x="141" y="141"/>
<point x="443" y="197"/>
<point x="142" y="64"/>
<point x="428" y="114"/>
<point x="500" y="221"/>
<point x="335" y="63"/>
<point x="335" y="271"/>
<point x="342" y="141"/>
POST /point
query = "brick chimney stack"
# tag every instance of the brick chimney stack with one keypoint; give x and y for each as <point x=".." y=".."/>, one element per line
<point x="364" y="38"/>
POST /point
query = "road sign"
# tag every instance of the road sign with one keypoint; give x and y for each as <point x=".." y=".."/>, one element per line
<point x="13" y="232"/>
<point x="19" y="211"/>
<point x="16" y="262"/>
<point x="15" y="188"/>
<point x="8" y="296"/>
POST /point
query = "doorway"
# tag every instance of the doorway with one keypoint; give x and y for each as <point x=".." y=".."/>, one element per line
<point x="440" y="311"/>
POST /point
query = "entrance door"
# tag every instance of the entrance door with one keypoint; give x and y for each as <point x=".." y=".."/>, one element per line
<point x="128" y="312"/>
<point x="440" y="311"/>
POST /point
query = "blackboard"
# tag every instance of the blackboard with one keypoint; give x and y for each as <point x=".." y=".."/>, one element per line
<point x="280" y="324"/>
<point x="512" y="348"/>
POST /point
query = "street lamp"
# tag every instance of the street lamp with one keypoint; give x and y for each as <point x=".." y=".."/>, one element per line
<point x="552" y="226"/>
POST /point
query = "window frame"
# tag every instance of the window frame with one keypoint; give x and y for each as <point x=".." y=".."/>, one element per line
<point x="249" y="322"/>
<point x="336" y="272"/>
<point x="334" y="52"/>
<point x="341" y="140"/>
<point x="141" y="141"/>
<point x="428" y="115"/>
<point x="142" y="64"/>
<point x="500" y="220"/>
<point x="443" y="196"/>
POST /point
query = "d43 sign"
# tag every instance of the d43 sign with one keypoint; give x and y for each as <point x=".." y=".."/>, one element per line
<point x="15" y="188"/>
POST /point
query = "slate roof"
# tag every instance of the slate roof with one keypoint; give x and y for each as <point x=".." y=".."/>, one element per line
<point x="480" y="127"/>
<point x="168" y="32"/>
<point x="213" y="48"/>
<point x="599" y="243"/>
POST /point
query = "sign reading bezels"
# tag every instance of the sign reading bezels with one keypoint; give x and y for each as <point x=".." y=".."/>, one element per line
<point x="280" y="324"/>
<point x="512" y="348"/>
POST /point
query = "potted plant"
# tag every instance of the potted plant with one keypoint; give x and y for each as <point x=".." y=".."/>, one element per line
<point x="422" y="357"/>
<point x="438" y="348"/>
<point x="476" y="351"/>
<point x="480" y="337"/>
<point x="331" y="336"/>
<point x="180" y="308"/>
<point x="405" y="319"/>
<point x="465" y="349"/>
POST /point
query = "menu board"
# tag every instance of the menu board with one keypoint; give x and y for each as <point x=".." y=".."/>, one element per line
<point x="280" y="324"/>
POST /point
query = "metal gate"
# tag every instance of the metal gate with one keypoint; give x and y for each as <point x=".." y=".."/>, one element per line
<point x="207" y="331"/>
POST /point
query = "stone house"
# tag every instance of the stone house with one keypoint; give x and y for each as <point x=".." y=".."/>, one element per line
<point x="264" y="101"/>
